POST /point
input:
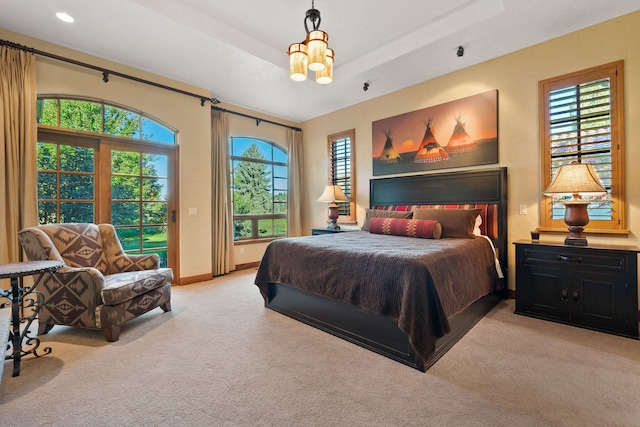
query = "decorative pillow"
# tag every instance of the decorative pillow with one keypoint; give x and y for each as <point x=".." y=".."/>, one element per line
<point x="375" y="213"/>
<point x="454" y="222"/>
<point x="424" y="229"/>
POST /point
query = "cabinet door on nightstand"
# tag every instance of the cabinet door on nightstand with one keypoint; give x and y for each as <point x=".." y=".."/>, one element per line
<point x="545" y="291"/>
<point x="601" y="301"/>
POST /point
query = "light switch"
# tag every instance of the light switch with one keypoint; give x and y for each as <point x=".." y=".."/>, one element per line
<point x="523" y="209"/>
<point x="193" y="211"/>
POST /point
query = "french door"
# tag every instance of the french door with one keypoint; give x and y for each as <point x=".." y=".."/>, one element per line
<point x="130" y="185"/>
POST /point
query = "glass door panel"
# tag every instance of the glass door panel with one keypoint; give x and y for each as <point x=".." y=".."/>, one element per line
<point x="140" y="201"/>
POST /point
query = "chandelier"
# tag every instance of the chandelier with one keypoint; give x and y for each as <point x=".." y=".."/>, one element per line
<point x="313" y="53"/>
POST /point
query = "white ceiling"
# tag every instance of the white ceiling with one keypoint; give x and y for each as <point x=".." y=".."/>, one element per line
<point x="237" y="49"/>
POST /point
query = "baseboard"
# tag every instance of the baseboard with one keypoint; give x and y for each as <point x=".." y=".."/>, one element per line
<point x="195" y="279"/>
<point x="248" y="265"/>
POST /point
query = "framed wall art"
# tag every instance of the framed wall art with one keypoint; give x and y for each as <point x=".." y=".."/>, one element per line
<point x="459" y="133"/>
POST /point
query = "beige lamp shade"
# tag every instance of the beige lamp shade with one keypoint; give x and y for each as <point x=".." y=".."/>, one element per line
<point x="298" y="62"/>
<point x="332" y="193"/>
<point x="317" y="50"/>
<point x="575" y="178"/>
<point x="324" y="77"/>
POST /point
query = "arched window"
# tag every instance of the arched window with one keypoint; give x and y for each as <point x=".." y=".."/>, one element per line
<point x="103" y="163"/>
<point x="102" y="118"/>
<point x="259" y="187"/>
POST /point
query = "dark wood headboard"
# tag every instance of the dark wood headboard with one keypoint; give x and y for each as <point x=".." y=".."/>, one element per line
<point x="467" y="187"/>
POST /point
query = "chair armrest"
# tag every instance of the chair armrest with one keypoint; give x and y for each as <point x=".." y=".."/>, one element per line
<point x="142" y="262"/>
<point x="89" y="275"/>
<point x="84" y="283"/>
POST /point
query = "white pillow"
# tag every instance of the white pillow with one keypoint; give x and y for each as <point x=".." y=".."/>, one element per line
<point x="476" y="228"/>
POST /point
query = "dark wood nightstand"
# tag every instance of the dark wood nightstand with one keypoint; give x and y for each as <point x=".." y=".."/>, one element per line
<point x="594" y="286"/>
<point x="317" y="231"/>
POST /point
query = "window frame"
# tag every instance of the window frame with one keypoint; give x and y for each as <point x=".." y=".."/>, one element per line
<point x="351" y="178"/>
<point x="255" y="218"/>
<point x="615" y="73"/>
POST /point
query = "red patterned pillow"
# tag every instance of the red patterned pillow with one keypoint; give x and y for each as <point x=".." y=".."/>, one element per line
<point x="422" y="228"/>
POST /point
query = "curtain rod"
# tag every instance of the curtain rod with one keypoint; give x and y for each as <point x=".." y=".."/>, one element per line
<point x="257" y="119"/>
<point x="105" y="72"/>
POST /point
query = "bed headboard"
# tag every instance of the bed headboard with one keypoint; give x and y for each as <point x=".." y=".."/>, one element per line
<point x="484" y="186"/>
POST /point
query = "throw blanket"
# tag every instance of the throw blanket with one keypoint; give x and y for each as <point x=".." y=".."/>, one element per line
<point x="418" y="282"/>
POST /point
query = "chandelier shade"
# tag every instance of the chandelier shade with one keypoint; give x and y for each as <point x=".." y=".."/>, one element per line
<point x="298" y="62"/>
<point x="325" y="76"/>
<point x="313" y="53"/>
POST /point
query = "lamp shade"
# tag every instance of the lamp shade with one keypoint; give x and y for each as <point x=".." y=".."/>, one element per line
<point x="317" y="50"/>
<point x="298" y="62"/>
<point x="575" y="178"/>
<point x="325" y="76"/>
<point x="332" y="193"/>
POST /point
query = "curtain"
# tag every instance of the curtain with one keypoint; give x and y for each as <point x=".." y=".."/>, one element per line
<point x="18" y="156"/>
<point x="294" y="198"/>
<point x="222" y="218"/>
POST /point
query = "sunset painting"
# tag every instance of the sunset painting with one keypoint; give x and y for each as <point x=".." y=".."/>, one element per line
<point x="459" y="133"/>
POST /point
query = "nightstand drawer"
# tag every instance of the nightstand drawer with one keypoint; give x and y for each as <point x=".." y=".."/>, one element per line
<point x="593" y="259"/>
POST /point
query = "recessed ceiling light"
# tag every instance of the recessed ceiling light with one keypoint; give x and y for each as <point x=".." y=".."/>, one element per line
<point x="65" y="17"/>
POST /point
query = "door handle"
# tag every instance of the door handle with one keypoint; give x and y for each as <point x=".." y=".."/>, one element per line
<point x="173" y="216"/>
<point x="576" y="295"/>
<point x="563" y="294"/>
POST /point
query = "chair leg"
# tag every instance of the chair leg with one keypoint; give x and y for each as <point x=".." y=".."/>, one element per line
<point x="166" y="306"/>
<point x="112" y="335"/>
<point x="44" y="328"/>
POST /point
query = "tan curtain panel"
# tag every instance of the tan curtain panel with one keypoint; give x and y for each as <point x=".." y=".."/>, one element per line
<point x="221" y="214"/>
<point x="294" y="217"/>
<point x="18" y="157"/>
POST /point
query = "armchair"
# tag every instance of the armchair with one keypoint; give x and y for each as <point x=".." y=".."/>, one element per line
<point x="100" y="287"/>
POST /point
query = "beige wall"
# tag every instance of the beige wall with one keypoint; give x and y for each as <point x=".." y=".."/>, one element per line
<point x="182" y="112"/>
<point x="516" y="77"/>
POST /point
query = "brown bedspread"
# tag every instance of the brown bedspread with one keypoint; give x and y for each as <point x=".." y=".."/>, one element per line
<point x="419" y="282"/>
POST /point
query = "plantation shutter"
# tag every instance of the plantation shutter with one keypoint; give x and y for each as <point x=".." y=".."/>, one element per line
<point x="341" y="171"/>
<point x="582" y="121"/>
<point x="580" y="130"/>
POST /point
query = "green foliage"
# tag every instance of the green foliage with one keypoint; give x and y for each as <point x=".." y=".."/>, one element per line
<point x="252" y="184"/>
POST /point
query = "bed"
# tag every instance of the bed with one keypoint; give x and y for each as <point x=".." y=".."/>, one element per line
<point x="406" y="298"/>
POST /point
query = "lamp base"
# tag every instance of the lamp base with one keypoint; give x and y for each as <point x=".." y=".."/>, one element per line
<point x="333" y="217"/>
<point x="575" y="241"/>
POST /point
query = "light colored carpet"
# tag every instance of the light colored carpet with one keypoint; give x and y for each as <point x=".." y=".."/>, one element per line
<point x="221" y="359"/>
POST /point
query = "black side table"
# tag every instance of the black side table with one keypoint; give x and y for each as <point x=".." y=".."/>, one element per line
<point x="19" y="295"/>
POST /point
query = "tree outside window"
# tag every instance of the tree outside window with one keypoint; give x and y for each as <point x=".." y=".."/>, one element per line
<point x="259" y="188"/>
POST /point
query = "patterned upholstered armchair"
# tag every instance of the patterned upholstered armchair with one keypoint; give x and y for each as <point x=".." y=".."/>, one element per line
<point x="100" y="287"/>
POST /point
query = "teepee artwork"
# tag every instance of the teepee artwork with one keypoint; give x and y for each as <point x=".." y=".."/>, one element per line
<point x="458" y="133"/>
<point x="430" y="150"/>
<point x="389" y="155"/>
<point x="460" y="141"/>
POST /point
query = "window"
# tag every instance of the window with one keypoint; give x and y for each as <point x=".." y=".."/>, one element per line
<point x="99" y="117"/>
<point x="582" y="119"/>
<point x="105" y="164"/>
<point x="259" y="185"/>
<point x="341" y="171"/>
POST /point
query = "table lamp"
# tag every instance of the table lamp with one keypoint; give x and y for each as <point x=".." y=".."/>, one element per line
<point x="331" y="194"/>
<point x="576" y="179"/>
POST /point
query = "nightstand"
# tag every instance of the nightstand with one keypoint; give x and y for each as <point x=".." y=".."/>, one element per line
<point x="317" y="231"/>
<point x="594" y="286"/>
